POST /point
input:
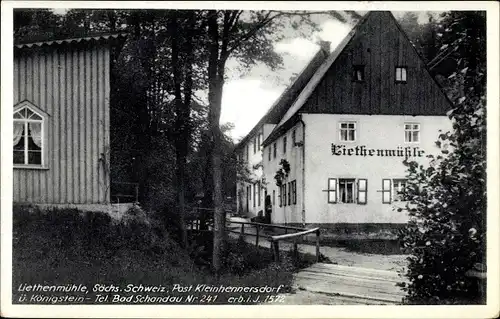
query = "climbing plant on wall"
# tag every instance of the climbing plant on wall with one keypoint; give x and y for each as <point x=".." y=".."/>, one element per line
<point x="282" y="172"/>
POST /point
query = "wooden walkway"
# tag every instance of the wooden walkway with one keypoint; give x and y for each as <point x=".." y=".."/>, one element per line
<point x="359" y="285"/>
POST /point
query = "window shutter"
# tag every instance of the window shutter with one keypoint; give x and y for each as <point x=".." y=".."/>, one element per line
<point x="281" y="195"/>
<point x="362" y="190"/>
<point x="332" y="190"/>
<point x="294" y="192"/>
<point x="386" y="191"/>
<point x="258" y="193"/>
<point x="284" y="194"/>
<point x="289" y="192"/>
<point x="254" y="197"/>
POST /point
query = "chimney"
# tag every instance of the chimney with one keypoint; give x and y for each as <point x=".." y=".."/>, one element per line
<point x="325" y="45"/>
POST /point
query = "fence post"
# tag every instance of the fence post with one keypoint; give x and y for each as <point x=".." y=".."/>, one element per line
<point x="317" y="246"/>
<point x="276" y="250"/>
<point x="295" y="251"/>
<point x="242" y="234"/>
<point x="257" y="236"/>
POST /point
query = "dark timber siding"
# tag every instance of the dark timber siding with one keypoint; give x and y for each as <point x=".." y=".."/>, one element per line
<point x="380" y="45"/>
<point x="71" y="84"/>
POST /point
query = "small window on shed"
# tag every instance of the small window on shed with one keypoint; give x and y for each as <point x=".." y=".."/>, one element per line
<point x="28" y="135"/>
<point x="358" y="73"/>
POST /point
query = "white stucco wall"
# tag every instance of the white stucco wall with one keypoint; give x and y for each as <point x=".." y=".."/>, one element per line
<point x="286" y="213"/>
<point x="254" y="165"/>
<point x="374" y="132"/>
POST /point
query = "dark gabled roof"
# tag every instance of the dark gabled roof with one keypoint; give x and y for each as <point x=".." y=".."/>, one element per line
<point x="292" y="116"/>
<point x="52" y="38"/>
<point x="279" y="108"/>
<point x="289" y="117"/>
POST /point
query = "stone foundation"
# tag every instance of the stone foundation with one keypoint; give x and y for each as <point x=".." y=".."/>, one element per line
<point x="379" y="238"/>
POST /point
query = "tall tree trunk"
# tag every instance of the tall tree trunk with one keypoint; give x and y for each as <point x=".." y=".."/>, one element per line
<point x="182" y="108"/>
<point x="215" y="82"/>
<point x="208" y="182"/>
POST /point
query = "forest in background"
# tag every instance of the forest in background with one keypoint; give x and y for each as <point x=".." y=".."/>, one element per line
<point x="171" y="142"/>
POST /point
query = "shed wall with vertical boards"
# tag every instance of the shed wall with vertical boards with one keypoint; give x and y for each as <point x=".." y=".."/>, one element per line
<point x="70" y="82"/>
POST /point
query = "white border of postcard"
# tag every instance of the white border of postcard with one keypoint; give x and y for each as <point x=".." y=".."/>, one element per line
<point x="490" y="310"/>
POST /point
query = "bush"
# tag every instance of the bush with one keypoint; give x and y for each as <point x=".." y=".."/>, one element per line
<point x="447" y="206"/>
<point x="242" y="257"/>
<point x="67" y="245"/>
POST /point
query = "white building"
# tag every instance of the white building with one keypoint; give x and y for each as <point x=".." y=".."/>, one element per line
<point x="345" y="133"/>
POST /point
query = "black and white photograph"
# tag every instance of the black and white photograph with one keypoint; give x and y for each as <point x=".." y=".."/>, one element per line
<point x="197" y="154"/>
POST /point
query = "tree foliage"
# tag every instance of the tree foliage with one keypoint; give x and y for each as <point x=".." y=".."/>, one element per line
<point x="446" y="235"/>
<point x="158" y="124"/>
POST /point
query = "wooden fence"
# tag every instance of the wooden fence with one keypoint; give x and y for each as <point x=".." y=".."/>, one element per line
<point x="294" y="234"/>
<point x="275" y="240"/>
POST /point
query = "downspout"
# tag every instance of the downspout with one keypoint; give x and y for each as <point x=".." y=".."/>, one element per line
<point x="303" y="171"/>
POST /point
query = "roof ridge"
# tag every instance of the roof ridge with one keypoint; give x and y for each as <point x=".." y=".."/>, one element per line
<point x="316" y="78"/>
<point x="320" y="54"/>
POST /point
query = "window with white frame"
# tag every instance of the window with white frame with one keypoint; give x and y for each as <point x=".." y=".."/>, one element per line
<point x="346" y="191"/>
<point x="28" y="137"/>
<point x="284" y="144"/>
<point x="347" y="131"/>
<point x="275" y="148"/>
<point x="412" y="132"/>
<point x="398" y="189"/>
<point x="401" y="74"/>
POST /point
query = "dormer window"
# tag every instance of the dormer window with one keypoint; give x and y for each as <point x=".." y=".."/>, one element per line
<point x="358" y="73"/>
<point x="401" y="74"/>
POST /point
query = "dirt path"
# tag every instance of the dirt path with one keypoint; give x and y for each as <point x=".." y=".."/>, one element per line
<point x="341" y="255"/>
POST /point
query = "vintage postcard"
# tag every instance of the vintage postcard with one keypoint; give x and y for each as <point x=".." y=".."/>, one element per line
<point x="243" y="159"/>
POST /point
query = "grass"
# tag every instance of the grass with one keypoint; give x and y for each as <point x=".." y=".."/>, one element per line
<point x="63" y="246"/>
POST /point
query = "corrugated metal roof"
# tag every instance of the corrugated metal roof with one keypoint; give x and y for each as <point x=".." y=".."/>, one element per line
<point x="51" y="40"/>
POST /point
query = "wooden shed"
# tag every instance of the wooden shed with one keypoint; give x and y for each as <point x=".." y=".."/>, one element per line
<point x="61" y="120"/>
